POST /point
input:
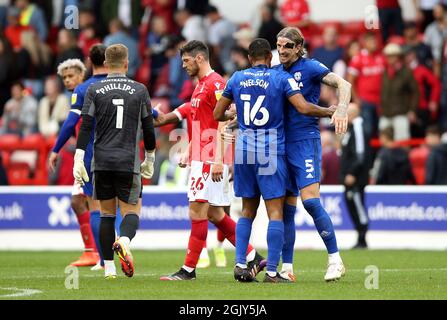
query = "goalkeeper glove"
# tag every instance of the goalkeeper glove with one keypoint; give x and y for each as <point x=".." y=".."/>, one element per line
<point x="79" y="172"/>
<point x="147" y="167"/>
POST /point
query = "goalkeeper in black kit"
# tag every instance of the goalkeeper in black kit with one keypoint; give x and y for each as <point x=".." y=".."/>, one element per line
<point x="117" y="108"/>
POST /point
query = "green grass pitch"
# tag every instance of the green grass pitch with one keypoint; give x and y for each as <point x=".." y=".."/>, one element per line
<point x="402" y="275"/>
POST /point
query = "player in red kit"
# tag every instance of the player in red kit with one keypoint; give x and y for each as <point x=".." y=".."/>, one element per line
<point x="207" y="196"/>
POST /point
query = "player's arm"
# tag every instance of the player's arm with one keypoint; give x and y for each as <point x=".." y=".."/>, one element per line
<point x="161" y="119"/>
<point x="67" y="129"/>
<point x="222" y="106"/>
<point x="88" y="113"/>
<point x="340" y="117"/>
<point x="147" y="167"/>
<point x="309" y="109"/>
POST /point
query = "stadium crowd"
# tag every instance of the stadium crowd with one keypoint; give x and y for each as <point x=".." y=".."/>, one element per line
<point x="398" y="72"/>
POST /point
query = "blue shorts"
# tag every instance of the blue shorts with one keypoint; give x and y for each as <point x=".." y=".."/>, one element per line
<point x="304" y="164"/>
<point x="254" y="180"/>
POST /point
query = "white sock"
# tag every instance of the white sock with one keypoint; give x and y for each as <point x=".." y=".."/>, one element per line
<point x="334" y="257"/>
<point x="241" y="265"/>
<point x="271" y="273"/>
<point x="109" y="267"/>
<point x="251" y="255"/>
<point x="125" y="241"/>
<point x="219" y="244"/>
<point x="287" y="267"/>
<point x="189" y="269"/>
<point x="204" y="254"/>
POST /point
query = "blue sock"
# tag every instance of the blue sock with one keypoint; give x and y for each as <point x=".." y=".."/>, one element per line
<point x="323" y="223"/>
<point x="275" y="242"/>
<point x="95" y="220"/>
<point x="118" y="220"/>
<point x="243" y="232"/>
<point x="289" y="233"/>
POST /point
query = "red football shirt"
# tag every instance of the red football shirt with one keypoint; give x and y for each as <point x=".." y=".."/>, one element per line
<point x="294" y="11"/>
<point x="203" y="127"/>
<point x="382" y="4"/>
<point x="368" y="68"/>
<point x="184" y="112"/>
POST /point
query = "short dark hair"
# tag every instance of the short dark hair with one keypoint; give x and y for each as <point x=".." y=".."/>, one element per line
<point x="97" y="54"/>
<point x="388" y="132"/>
<point x="194" y="47"/>
<point x="433" y="129"/>
<point x="211" y="9"/>
<point x="259" y="48"/>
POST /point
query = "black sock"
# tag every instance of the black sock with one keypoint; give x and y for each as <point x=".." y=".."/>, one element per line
<point x="107" y="236"/>
<point x="129" y="225"/>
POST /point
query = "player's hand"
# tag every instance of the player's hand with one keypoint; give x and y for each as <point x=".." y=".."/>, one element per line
<point x="147" y="167"/>
<point x="52" y="161"/>
<point x="340" y="119"/>
<point x="350" y="180"/>
<point x="226" y="136"/>
<point x="79" y="171"/>
<point x="217" y="172"/>
<point x="184" y="159"/>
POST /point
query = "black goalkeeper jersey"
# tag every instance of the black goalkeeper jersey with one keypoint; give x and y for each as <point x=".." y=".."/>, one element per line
<point x="118" y="105"/>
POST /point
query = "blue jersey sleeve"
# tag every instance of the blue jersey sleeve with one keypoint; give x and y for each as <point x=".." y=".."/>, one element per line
<point x="228" y="91"/>
<point x="289" y="86"/>
<point x="77" y="99"/>
<point x="317" y="70"/>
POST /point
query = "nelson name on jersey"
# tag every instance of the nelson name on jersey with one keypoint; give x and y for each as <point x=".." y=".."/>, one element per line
<point x="116" y="86"/>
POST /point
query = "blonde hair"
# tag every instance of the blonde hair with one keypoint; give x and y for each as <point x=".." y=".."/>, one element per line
<point x="295" y="35"/>
<point x="116" y="56"/>
<point x="71" y="63"/>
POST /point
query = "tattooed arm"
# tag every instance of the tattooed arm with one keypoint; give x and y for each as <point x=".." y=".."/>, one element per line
<point x="340" y="117"/>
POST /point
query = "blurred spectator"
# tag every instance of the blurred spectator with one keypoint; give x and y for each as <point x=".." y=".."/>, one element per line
<point x="33" y="62"/>
<point x="340" y="66"/>
<point x="400" y="94"/>
<point x="419" y="155"/>
<point x="33" y="16"/>
<point x="295" y="13"/>
<point x="443" y="105"/>
<point x="436" y="169"/>
<point x="14" y="30"/>
<point x="330" y="52"/>
<point x="244" y="37"/>
<point x="392" y="165"/>
<point x="89" y="31"/>
<point x="157" y="40"/>
<point x="413" y="42"/>
<point x="390" y="17"/>
<point x="354" y="172"/>
<point x="67" y="47"/>
<point x="118" y="35"/>
<point x="164" y="9"/>
<point x="330" y="158"/>
<point x="424" y="11"/>
<point x="178" y="77"/>
<point x="429" y="94"/>
<point x="270" y="26"/>
<point x="239" y="56"/>
<point x="20" y="114"/>
<point x="7" y="71"/>
<point x="3" y="12"/>
<point x="53" y="108"/>
<point x="365" y="74"/>
<point x="192" y="25"/>
<point x="220" y="37"/>
<point x="436" y="34"/>
<point x="129" y="12"/>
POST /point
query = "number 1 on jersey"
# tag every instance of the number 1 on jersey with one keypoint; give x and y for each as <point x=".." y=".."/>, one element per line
<point x="250" y="115"/>
<point x="119" y="103"/>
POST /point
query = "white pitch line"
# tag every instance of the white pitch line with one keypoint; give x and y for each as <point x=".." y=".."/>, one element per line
<point x="225" y="272"/>
<point x="20" y="293"/>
